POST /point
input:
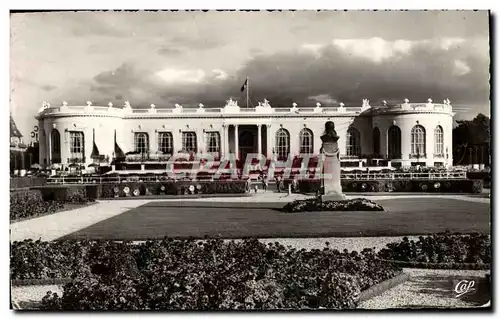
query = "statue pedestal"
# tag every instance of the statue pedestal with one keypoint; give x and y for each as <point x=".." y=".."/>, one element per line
<point x="332" y="188"/>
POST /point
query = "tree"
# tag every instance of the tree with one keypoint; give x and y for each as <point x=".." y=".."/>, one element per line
<point x="472" y="136"/>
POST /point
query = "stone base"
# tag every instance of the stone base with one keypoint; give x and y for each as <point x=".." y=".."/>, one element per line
<point x="334" y="197"/>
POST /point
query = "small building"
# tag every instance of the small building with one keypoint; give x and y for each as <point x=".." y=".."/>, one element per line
<point x="17" y="148"/>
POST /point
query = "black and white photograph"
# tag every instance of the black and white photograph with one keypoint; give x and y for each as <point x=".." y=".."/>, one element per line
<point x="250" y="160"/>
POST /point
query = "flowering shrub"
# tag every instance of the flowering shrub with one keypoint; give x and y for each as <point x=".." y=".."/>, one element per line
<point x="198" y="275"/>
<point x="441" y="248"/>
<point x="315" y="205"/>
<point x="30" y="203"/>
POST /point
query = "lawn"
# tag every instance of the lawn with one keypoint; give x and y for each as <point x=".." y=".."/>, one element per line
<point x="403" y="216"/>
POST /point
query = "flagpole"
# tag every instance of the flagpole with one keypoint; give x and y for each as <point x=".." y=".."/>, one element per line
<point x="248" y="89"/>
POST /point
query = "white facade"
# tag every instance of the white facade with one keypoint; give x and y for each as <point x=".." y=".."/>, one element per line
<point x="425" y="130"/>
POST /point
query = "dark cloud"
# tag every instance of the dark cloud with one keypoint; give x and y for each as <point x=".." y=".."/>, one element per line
<point x="328" y="76"/>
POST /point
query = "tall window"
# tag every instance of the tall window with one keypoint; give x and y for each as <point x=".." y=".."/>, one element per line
<point x="165" y="143"/>
<point x="353" y="142"/>
<point x="394" y="142"/>
<point x="189" y="142"/>
<point x="56" y="146"/>
<point x="76" y="145"/>
<point x="141" y="143"/>
<point x="418" y="140"/>
<point x="376" y="141"/>
<point x="306" y="141"/>
<point x="213" y="142"/>
<point x="438" y="141"/>
<point x="282" y="144"/>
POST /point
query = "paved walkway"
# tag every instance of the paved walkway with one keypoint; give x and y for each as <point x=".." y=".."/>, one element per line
<point x="57" y="225"/>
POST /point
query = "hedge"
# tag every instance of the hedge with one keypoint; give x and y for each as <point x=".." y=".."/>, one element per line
<point x="427" y="186"/>
<point x="166" y="187"/>
<point x="198" y="275"/>
<point x="443" y="250"/>
<point x="24" y="182"/>
<point x="30" y="203"/>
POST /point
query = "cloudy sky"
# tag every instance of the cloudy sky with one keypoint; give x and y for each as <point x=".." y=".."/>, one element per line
<point x="304" y="57"/>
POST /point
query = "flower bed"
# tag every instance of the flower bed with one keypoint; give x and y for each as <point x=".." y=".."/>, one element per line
<point x="315" y="205"/>
<point x="443" y="250"/>
<point x="193" y="275"/>
<point x="428" y="186"/>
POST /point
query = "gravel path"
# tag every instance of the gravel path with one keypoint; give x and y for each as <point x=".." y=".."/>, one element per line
<point x="430" y="288"/>
<point x="30" y="294"/>
<point x="339" y="243"/>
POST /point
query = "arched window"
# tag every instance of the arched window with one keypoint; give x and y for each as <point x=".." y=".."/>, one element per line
<point x="306" y="138"/>
<point x="189" y="142"/>
<point x="165" y="143"/>
<point x="76" y="145"/>
<point x="394" y="142"/>
<point x="56" y="146"/>
<point x="353" y="142"/>
<point x="282" y="144"/>
<point x="141" y="143"/>
<point x="213" y="142"/>
<point x="438" y="141"/>
<point x="376" y="141"/>
<point x="418" y="141"/>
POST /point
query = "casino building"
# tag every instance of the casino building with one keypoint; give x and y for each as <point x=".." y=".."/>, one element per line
<point x="406" y="134"/>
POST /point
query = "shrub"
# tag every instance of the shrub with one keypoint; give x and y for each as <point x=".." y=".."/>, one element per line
<point x="445" y="248"/>
<point x="192" y="275"/>
<point x="74" y="194"/>
<point x="314" y="204"/>
<point x="30" y="203"/>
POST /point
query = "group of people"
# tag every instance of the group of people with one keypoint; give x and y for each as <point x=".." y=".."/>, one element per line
<point x="280" y="183"/>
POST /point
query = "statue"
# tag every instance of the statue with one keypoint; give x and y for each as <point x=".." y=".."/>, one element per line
<point x="366" y="103"/>
<point x="294" y="108"/>
<point x="331" y="164"/>
<point x="384" y="102"/>
<point x="407" y="101"/>
<point x="127" y="105"/>
<point x="110" y="105"/>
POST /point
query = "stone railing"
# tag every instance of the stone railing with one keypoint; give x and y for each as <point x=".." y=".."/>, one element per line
<point x="232" y="107"/>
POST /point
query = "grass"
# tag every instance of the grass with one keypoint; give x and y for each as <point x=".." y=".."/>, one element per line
<point x="402" y="216"/>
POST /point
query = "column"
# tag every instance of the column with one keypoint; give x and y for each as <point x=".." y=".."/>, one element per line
<point x="50" y="148"/>
<point x="270" y="144"/>
<point x="259" y="135"/>
<point x="236" y="143"/>
<point x="224" y="141"/>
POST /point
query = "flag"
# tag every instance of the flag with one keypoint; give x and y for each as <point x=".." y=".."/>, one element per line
<point x="118" y="151"/>
<point x="244" y="86"/>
